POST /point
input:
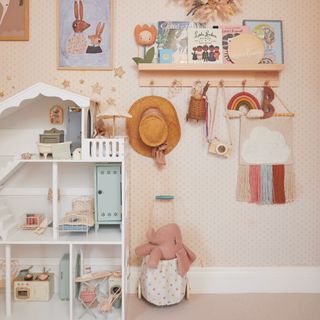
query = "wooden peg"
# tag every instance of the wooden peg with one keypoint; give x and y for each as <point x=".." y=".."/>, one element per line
<point x="243" y="84"/>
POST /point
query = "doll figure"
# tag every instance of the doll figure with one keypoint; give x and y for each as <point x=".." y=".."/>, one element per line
<point x="199" y="53"/>
<point x="211" y="54"/>
<point x="205" y="54"/>
<point x="216" y="53"/>
<point x="194" y="54"/>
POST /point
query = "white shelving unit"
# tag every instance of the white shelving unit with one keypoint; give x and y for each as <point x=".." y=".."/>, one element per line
<point x="107" y="248"/>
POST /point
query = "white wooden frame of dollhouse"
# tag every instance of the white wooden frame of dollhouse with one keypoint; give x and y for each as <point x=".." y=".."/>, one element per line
<point x="93" y="151"/>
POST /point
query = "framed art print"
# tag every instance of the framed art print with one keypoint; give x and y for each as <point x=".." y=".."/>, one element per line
<point x="14" y="20"/>
<point x="270" y="32"/>
<point x="85" y="34"/>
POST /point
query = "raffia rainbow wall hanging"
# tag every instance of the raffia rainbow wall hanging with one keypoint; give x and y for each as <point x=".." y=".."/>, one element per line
<point x="244" y="103"/>
<point x="245" y="99"/>
<point x="266" y="174"/>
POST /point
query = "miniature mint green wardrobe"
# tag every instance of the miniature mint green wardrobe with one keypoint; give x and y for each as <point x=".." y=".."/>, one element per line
<point x="108" y="207"/>
<point x="64" y="278"/>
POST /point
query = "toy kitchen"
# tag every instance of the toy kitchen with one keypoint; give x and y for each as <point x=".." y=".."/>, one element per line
<point x="33" y="286"/>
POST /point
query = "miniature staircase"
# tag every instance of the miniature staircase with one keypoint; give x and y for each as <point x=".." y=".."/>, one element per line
<point x="7" y="222"/>
<point x="8" y="169"/>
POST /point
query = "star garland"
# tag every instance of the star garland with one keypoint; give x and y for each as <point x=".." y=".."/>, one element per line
<point x="119" y="72"/>
<point x="96" y="88"/>
<point x="206" y="10"/>
<point x="66" y="84"/>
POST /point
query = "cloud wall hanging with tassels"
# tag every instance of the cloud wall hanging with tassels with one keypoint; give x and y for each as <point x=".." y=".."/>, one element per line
<point x="266" y="173"/>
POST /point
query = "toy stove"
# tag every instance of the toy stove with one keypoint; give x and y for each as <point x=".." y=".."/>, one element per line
<point x="33" y="290"/>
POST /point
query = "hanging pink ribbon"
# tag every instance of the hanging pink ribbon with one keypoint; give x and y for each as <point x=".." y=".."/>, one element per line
<point x="158" y="153"/>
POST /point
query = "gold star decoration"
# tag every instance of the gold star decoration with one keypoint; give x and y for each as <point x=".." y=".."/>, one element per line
<point x="96" y="88"/>
<point x="111" y="102"/>
<point x="81" y="81"/>
<point x="119" y="72"/>
<point x="1" y="94"/>
<point x="66" y="84"/>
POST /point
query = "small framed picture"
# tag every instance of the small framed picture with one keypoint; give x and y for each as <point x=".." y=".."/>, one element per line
<point x="270" y="32"/>
<point x="14" y="20"/>
<point x="85" y="34"/>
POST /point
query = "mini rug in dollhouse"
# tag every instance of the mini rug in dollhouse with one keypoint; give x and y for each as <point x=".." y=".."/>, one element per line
<point x="266" y="174"/>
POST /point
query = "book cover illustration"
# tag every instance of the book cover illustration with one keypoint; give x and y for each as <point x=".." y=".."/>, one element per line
<point x="205" y="45"/>
<point x="270" y="32"/>
<point x="228" y="34"/>
<point x="173" y="36"/>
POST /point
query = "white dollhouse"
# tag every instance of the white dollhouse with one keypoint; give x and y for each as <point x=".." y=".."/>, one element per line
<point x="51" y="186"/>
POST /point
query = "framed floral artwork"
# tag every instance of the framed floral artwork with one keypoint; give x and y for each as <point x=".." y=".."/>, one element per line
<point x="85" y="30"/>
<point x="14" y="20"/>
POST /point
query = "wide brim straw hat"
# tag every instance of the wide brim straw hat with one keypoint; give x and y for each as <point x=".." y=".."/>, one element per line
<point x="147" y="131"/>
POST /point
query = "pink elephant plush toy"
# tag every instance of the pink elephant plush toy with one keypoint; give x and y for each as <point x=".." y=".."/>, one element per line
<point x="166" y="244"/>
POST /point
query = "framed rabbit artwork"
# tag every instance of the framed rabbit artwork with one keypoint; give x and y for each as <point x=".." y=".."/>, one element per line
<point x="85" y="34"/>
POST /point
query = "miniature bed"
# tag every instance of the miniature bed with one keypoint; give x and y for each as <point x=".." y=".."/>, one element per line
<point x="81" y="218"/>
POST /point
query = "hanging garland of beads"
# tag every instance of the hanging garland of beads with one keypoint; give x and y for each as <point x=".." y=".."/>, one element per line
<point x="206" y="10"/>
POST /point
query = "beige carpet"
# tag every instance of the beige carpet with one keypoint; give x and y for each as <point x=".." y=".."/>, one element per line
<point x="232" y="307"/>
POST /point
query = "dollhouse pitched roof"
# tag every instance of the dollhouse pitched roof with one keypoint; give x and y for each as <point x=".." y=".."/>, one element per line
<point x="46" y="90"/>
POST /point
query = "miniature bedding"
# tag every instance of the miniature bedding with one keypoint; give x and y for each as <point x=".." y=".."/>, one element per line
<point x="77" y="219"/>
<point x="80" y="228"/>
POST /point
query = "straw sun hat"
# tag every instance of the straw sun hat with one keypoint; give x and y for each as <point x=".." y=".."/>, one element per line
<point x="154" y="126"/>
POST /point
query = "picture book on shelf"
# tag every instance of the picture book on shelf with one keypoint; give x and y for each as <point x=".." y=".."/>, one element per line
<point x="205" y="45"/>
<point x="228" y="34"/>
<point x="270" y="32"/>
<point x="173" y="38"/>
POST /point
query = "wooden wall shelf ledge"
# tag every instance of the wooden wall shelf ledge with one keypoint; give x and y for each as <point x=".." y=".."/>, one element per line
<point x="233" y="75"/>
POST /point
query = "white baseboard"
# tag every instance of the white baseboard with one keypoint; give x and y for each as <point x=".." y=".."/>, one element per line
<point x="247" y="280"/>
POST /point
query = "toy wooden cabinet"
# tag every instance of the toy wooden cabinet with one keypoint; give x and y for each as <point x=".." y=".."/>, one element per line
<point x="52" y="136"/>
<point x="98" y="173"/>
<point x="108" y="194"/>
<point x="64" y="277"/>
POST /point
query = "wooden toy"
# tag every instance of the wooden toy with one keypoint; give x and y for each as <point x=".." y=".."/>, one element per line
<point x="45" y="243"/>
<point x="52" y="136"/>
<point x="108" y="195"/>
<point x="56" y="115"/>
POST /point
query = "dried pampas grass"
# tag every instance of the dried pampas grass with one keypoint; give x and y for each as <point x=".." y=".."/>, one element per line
<point x="206" y="10"/>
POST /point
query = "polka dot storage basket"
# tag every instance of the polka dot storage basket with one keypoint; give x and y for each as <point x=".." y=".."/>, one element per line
<point x="162" y="286"/>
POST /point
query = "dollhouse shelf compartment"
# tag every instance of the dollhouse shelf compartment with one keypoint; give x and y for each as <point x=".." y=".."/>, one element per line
<point x="164" y="75"/>
<point x="109" y="235"/>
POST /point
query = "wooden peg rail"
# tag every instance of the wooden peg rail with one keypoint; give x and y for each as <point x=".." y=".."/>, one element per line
<point x="233" y="75"/>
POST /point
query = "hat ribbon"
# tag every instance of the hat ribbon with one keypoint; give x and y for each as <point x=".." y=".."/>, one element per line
<point x="158" y="153"/>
